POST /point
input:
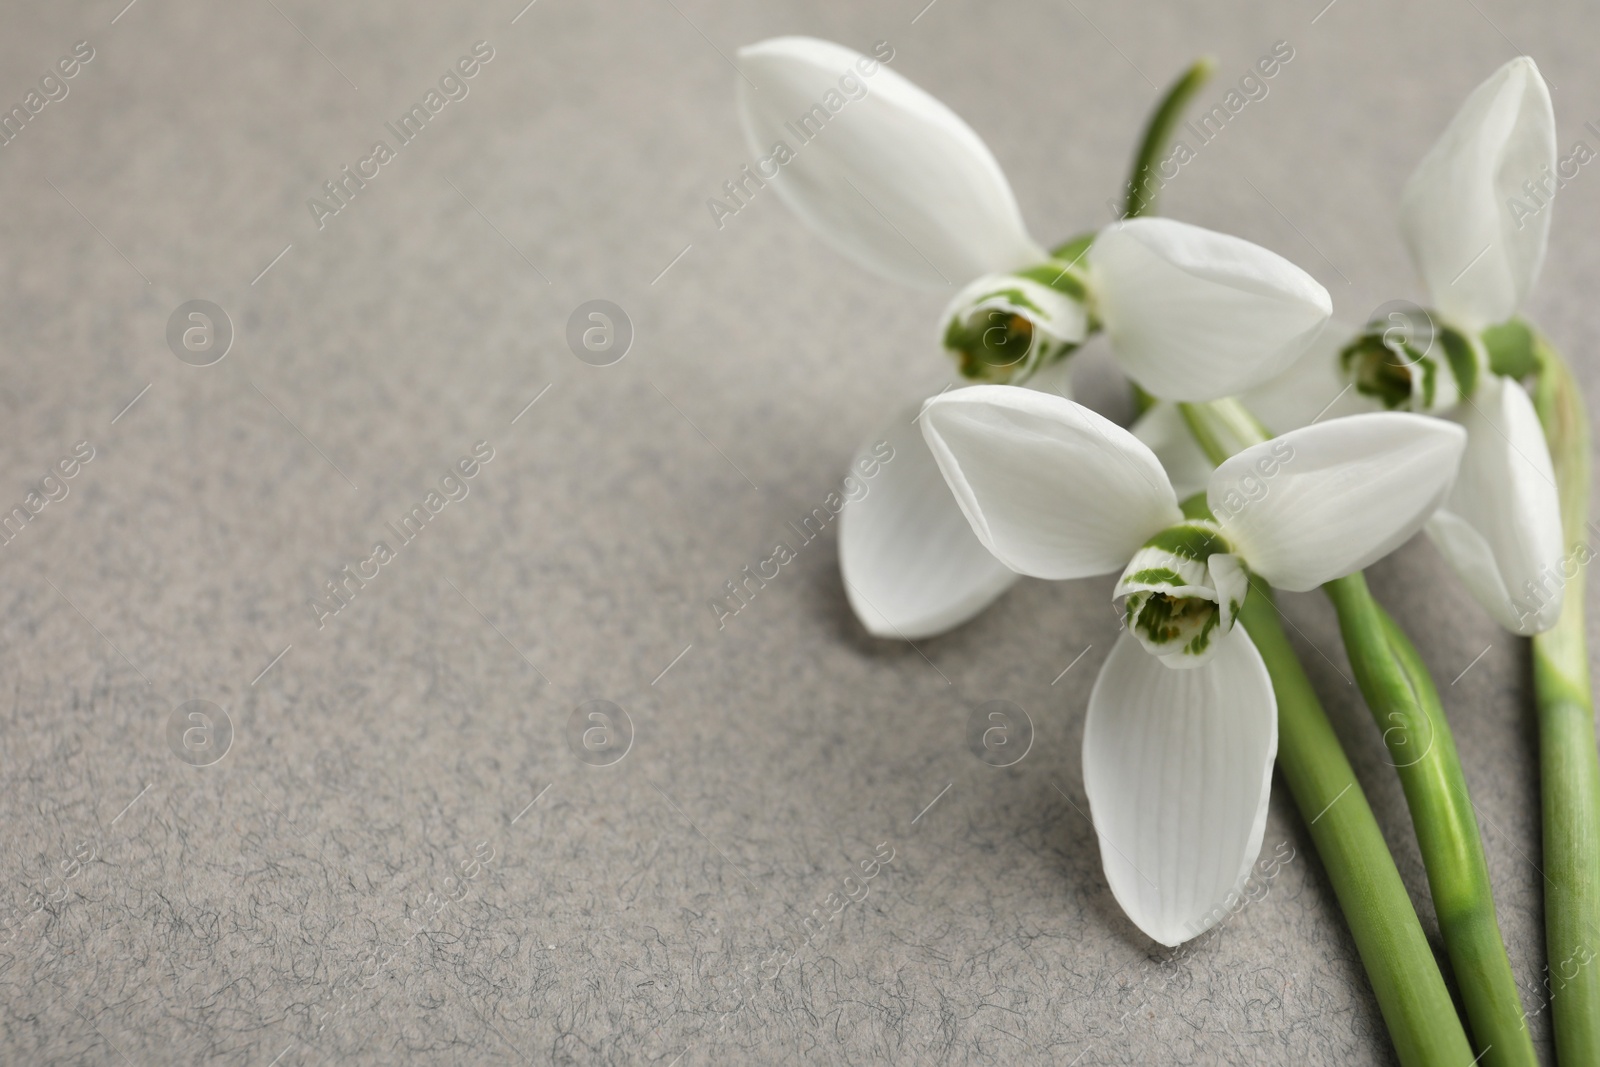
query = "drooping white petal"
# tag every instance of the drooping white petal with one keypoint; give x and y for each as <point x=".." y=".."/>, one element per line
<point x="1327" y="500"/>
<point x="912" y="566"/>
<point x="1478" y="251"/>
<point x="1500" y="527"/>
<point x="1178" y="768"/>
<point x="880" y="169"/>
<point x="1051" y="488"/>
<point x="1197" y="315"/>
<point x="1164" y="432"/>
<point x="1313" y="386"/>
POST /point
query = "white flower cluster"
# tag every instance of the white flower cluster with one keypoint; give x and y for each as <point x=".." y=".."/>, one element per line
<point x="1023" y="481"/>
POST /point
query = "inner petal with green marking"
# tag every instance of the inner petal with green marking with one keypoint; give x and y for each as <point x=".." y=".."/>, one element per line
<point x="1423" y="365"/>
<point x="1181" y="592"/>
<point x="1004" y="327"/>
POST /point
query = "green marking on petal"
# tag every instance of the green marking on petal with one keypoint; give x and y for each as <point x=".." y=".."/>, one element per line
<point x="1185" y="621"/>
<point x="1013" y="296"/>
<point x="1426" y="373"/>
<point x="1060" y="277"/>
<point x="1155" y="576"/>
<point x="1173" y="603"/>
<point x="1203" y="639"/>
<point x="1190" y="540"/>
<point x="1463" y="360"/>
<point x="1430" y="380"/>
<point x="1377" y="370"/>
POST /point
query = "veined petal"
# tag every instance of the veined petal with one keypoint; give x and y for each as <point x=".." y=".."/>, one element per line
<point x="912" y="566"/>
<point x="1327" y="500"/>
<point x="894" y="179"/>
<point x="1500" y="527"/>
<point x="1051" y="488"/>
<point x="1197" y="315"/>
<point x="1312" y="388"/>
<point x="1178" y="769"/>
<point x="1478" y="251"/>
<point x="1164" y="432"/>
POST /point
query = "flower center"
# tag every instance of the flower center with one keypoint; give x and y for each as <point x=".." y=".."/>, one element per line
<point x="1380" y="371"/>
<point x="1004" y="327"/>
<point x="1184" y="622"/>
<point x="1181" y="592"/>
<point x="991" y="341"/>
<point x="1420" y="365"/>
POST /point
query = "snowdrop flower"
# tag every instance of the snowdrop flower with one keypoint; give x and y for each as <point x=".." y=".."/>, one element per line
<point x="895" y="180"/>
<point x="1475" y="215"/>
<point x="1182" y="722"/>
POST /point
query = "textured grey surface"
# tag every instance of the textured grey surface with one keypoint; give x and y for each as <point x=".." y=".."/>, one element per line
<point x="277" y="903"/>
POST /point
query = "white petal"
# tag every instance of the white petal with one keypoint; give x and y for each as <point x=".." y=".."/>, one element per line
<point x="912" y="566"/>
<point x="1500" y="528"/>
<point x="1178" y="768"/>
<point x="1313" y="386"/>
<point x="1051" y="488"/>
<point x="1327" y="500"/>
<point x="1164" y="432"/>
<point x="1478" y="253"/>
<point x="894" y="179"/>
<point x="1196" y="315"/>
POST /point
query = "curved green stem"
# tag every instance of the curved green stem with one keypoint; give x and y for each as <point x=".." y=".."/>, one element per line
<point x="1405" y="977"/>
<point x="1141" y="193"/>
<point x="1569" y="765"/>
<point x="1407" y="709"/>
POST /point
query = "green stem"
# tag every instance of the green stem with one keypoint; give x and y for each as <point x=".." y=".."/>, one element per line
<point x="1141" y="190"/>
<point x="1405" y="977"/>
<point x="1378" y="650"/>
<point x="1407" y="709"/>
<point x="1569" y="766"/>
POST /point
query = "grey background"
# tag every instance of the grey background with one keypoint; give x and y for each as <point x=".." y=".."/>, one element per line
<point x="266" y="906"/>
